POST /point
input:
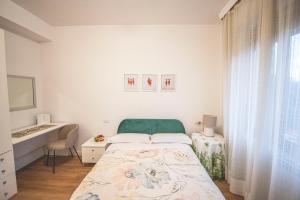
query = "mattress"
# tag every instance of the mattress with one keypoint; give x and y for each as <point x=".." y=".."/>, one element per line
<point x="129" y="171"/>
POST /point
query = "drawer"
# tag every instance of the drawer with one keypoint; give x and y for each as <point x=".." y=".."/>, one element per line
<point x="8" y="187"/>
<point x="7" y="165"/>
<point x="91" y="154"/>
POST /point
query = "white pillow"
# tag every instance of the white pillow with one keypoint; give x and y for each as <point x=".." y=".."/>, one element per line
<point x="130" y="138"/>
<point x="171" y="138"/>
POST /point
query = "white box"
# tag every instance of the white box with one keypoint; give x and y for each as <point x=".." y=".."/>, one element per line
<point x="43" y="119"/>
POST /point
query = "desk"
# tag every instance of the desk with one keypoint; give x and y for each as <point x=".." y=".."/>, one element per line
<point x="38" y="133"/>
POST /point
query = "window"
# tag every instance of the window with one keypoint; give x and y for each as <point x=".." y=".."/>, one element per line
<point x="295" y="58"/>
<point x="289" y="138"/>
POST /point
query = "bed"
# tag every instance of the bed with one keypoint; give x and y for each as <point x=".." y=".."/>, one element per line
<point x="148" y="171"/>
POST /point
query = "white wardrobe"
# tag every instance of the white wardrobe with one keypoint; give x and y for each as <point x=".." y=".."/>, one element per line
<point x="8" y="186"/>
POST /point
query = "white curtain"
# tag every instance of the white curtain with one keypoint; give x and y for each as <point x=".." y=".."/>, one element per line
<point x="262" y="99"/>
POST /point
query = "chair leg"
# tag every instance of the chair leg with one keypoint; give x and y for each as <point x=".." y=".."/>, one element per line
<point x="77" y="154"/>
<point x="71" y="152"/>
<point x="53" y="167"/>
<point x="48" y="157"/>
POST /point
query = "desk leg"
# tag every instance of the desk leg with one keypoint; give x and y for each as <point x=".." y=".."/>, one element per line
<point x="71" y="152"/>
<point x="77" y="154"/>
<point x="48" y="157"/>
<point x="53" y="167"/>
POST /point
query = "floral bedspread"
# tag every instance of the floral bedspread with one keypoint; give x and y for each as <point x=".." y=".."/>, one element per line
<point x="148" y="172"/>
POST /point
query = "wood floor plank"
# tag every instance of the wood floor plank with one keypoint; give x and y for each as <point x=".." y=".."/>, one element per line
<point x="37" y="182"/>
<point x="224" y="187"/>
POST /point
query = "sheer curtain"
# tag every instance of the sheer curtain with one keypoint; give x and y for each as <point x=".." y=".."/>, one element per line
<point x="262" y="99"/>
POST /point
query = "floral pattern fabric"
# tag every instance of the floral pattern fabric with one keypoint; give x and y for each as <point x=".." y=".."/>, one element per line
<point x="211" y="153"/>
<point x="148" y="172"/>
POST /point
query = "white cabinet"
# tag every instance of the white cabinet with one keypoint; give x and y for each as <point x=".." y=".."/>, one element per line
<point x="91" y="154"/>
<point x="5" y="142"/>
<point x="92" y="151"/>
<point x="8" y="186"/>
<point x="7" y="165"/>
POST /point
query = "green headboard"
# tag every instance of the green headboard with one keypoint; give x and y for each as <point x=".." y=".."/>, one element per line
<point x="151" y="126"/>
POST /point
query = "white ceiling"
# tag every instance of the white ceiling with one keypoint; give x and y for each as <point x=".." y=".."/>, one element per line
<point x="119" y="12"/>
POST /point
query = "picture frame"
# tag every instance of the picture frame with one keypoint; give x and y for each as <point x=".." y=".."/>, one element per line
<point x="168" y="82"/>
<point x="149" y="82"/>
<point x="131" y="82"/>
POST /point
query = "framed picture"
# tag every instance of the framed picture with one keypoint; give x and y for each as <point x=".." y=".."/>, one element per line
<point x="149" y="82"/>
<point x="131" y="82"/>
<point x="168" y="82"/>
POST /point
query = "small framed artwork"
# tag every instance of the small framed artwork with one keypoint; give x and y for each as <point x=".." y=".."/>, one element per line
<point x="149" y="82"/>
<point x="168" y="82"/>
<point x="131" y="82"/>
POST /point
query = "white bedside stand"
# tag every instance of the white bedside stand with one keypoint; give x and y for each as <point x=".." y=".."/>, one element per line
<point x="211" y="153"/>
<point x="92" y="151"/>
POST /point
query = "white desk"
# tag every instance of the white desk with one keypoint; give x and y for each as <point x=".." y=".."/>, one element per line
<point x="38" y="133"/>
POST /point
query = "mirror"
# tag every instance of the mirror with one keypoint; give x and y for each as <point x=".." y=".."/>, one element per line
<point x="21" y="92"/>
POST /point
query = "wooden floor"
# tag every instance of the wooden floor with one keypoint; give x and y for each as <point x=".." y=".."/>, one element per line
<point x="36" y="181"/>
<point x="224" y="187"/>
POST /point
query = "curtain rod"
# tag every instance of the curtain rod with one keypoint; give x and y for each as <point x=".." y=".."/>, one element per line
<point x="227" y="8"/>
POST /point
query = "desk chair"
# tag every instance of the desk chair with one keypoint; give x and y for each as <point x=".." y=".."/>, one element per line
<point x="67" y="137"/>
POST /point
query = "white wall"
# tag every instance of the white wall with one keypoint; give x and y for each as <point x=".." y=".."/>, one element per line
<point x="84" y="68"/>
<point x="23" y="57"/>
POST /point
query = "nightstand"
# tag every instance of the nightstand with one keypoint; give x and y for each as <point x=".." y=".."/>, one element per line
<point x="92" y="151"/>
<point x="211" y="153"/>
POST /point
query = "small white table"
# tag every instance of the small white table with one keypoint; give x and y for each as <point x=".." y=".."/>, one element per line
<point x="92" y="151"/>
<point x="211" y="153"/>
